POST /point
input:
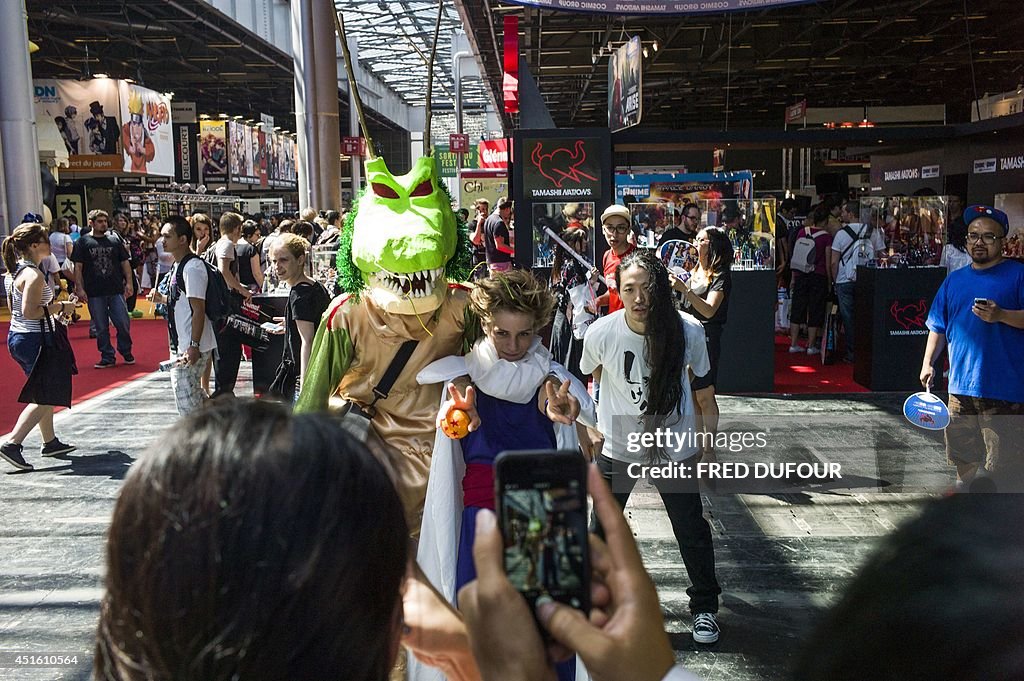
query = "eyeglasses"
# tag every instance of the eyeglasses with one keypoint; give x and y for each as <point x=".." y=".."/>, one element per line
<point x="692" y="217"/>
<point x="975" y="237"/>
<point x="616" y="229"/>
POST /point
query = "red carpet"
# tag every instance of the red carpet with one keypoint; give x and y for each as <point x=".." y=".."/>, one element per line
<point x="149" y="345"/>
<point x="803" y="373"/>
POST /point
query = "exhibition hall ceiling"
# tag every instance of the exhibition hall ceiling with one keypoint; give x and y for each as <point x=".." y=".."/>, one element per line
<point x="747" y="66"/>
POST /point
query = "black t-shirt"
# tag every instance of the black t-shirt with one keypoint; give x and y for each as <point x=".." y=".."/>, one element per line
<point x="307" y="303"/>
<point x="243" y="257"/>
<point x="723" y="283"/>
<point x="494" y="227"/>
<point x="674" y="234"/>
<point x="101" y="259"/>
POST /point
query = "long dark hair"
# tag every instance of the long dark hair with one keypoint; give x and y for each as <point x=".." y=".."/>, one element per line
<point x="720" y="251"/>
<point x="253" y="544"/>
<point x="571" y="236"/>
<point x="664" y="341"/>
<point x="958" y="234"/>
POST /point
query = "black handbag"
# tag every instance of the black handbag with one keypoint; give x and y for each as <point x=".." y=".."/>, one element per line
<point x="49" y="382"/>
<point x="285" y="380"/>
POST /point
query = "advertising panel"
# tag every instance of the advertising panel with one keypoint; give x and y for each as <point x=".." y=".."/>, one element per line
<point x="481" y="184"/>
<point x="240" y="154"/>
<point x="682" y="188"/>
<point x="656" y="9"/>
<point x="447" y="161"/>
<point x="625" y="92"/>
<point x="85" y="113"/>
<point x="213" y="151"/>
<point x="493" y="154"/>
<point x="562" y="168"/>
<point x="146" y="132"/>
<point x="186" y="161"/>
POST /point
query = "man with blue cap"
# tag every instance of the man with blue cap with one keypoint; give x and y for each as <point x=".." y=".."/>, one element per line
<point x="979" y="313"/>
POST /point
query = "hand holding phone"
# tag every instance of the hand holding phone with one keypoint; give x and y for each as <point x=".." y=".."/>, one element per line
<point x="981" y="302"/>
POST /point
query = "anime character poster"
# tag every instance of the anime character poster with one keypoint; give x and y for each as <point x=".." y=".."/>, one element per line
<point x="213" y="150"/>
<point x="625" y="93"/>
<point x="86" y="115"/>
<point x="147" y="138"/>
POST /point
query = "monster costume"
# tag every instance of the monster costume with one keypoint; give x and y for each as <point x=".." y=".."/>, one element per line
<point x="397" y="254"/>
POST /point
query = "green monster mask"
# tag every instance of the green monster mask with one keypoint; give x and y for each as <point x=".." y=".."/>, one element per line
<point x="403" y="241"/>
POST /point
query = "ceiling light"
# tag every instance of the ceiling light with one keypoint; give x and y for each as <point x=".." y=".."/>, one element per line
<point x="204" y="117"/>
<point x="100" y="75"/>
<point x="655" y="45"/>
<point x="223" y="115"/>
<point x="645" y="53"/>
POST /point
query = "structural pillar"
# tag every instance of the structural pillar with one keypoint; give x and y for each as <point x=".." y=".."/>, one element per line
<point x="314" y="52"/>
<point x="19" y="149"/>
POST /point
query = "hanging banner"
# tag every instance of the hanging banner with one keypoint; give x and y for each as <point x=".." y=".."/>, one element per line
<point x="657" y="8"/>
<point x="447" y="161"/>
<point x="213" y="151"/>
<point x="183" y="112"/>
<point x="264" y="153"/>
<point x="147" y="139"/>
<point x="510" y="81"/>
<point x="493" y="154"/>
<point x="186" y="161"/>
<point x="240" y="154"/>
<point x="624" y="86"/>
<point x="682" y="188"/>
<point x="85" y="113"/>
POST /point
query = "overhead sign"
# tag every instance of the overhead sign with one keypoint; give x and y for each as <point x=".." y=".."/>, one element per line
<point x="147" y="138"/>
<point x="510" y="59"/>
<point x="796" y="112"/>
<point x="493" y="154"/>
<point x="183" y="112"/>
<point x="447" y="161"/>
<point x="186" y="161"/>
<point x="353" y="146"/>
<point x="985" y="165"/>
<point x="657" y="8"/>
<point x="458" y="143"/>
<point x="625" y="92"/>
<point x="930" y="172"/>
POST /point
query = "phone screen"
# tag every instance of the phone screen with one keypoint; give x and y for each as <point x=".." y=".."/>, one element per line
<point x="543" y="516"/>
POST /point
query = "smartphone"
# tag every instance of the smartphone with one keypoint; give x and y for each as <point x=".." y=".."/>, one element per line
<point x="272" y="327"/>
<point x="981" y="302"/>
<point x="542" y="512"/>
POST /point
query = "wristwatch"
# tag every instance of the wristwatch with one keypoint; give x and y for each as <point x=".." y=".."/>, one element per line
<point x="194" y="344"/>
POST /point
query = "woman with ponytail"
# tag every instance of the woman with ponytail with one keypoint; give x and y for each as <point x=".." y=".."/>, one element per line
<point x="644" y="355"/>
<point x="30" y="298"/>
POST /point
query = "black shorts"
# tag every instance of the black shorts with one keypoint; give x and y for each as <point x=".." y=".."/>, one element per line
<point x="808" y="301"/>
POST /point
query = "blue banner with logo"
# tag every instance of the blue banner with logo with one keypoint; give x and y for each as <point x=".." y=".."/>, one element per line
<point x="658" y="8"/>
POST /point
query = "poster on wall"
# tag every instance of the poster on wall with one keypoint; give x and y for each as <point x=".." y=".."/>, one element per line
<point x="70" y="203"/>
<point x="186" y="161"/>
<point x="562" y="167"/>
<point x="86" y="114"/>
<point x="447" y="161"/>
<point x="213" y="151"/>
<point x="147" y="139"/>
<point x="240" y="154"/>
<point x="481" y="184"/>
<point x="625" y="92"/>
<point x="682" y="188"/>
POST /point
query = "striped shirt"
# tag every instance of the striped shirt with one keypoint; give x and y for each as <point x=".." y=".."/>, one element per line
<point x="18" y="322"/>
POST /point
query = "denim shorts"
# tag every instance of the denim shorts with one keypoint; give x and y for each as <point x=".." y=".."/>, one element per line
<point x="25" y="348"/>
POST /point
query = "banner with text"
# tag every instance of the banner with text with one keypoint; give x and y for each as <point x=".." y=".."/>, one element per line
<point x="625" y="93"/>
<point x="213" y="151"/>
<point x="85" y="113"/>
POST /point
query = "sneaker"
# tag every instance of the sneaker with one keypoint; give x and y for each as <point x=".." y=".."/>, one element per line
<point x="104" y="364"/>
<point x="813" y="351"/>
<point x="55" y="448"/>
<point x="11" y="453"/>
<point x="92" y="334"/>
<point x="129" y="359"/>
<point x="793" y="349"/>
<point x="705" y="627"/>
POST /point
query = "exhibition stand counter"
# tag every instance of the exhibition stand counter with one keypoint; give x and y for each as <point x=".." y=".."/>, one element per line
<point x="266" y="361"/>
<point x="890" y="310"/>
<point x="747" y="364"/>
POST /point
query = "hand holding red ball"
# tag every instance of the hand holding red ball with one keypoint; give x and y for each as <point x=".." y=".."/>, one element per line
<point x="458" y="416"/>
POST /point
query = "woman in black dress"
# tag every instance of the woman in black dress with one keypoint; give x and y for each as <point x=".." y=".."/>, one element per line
<point x="566" y="274"/>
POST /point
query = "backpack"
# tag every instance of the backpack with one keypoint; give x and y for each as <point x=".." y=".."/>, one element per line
<point x="218" y="295"/>
<point x="805" y="251"/>
<point x="861" y="243"/>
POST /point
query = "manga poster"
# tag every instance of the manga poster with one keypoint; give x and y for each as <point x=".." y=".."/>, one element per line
<point x="625" y="88"/>
<point x="213" y="150"/>
<point x="147" y="138"/>
<point x="86" y="115"/>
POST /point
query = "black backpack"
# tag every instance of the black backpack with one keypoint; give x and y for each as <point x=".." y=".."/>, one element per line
<point x="218" y="295"/>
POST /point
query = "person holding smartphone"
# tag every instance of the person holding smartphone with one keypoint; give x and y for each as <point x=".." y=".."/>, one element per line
<point x="644" y="356"/>
<point x="514" y="397"/>
<point x="979" y="313"/>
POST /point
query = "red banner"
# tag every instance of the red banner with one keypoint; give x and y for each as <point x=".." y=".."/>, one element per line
<point x="510" y="83"/>
<point x="796" y="112"/>
<point x="493" y="154"/>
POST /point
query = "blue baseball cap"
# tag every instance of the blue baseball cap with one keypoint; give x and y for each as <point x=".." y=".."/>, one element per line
<point x="982" y="211"/>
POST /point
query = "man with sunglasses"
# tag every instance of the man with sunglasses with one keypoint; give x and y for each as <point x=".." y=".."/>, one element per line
<point x="615" y="225"/>
<point x="979" y="312"/>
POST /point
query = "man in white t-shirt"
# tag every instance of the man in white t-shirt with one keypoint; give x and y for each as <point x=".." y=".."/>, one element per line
<point x="643" y="356"/>
<point x="192" y="339"/>
<point x="229" y="349"/>
<point x="855" y="244"/>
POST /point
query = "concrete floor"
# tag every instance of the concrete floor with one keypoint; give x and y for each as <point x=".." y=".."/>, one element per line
<point x="782" y="554"/>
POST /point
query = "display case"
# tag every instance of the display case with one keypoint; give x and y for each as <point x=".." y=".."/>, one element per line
<point x="750" y="224"/>
<point x="914" y="228"/>
<point x="1013" y="206"/>
<point x="323" y="265"/>
<point x="554" y="218"/>
<point x="650" y="220"/>
<point x="141" y="204"/>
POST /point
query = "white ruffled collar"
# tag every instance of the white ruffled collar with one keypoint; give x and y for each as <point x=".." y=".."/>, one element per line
<point x="513" y="381"/>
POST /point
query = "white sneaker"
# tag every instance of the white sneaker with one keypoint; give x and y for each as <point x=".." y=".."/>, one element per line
<point x="705" y="627"/>
<point x="793" y="349"/>
<point x="813" y="351"/>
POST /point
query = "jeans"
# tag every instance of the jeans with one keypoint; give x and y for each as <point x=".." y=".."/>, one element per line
<point x="225" y="365"/>
<point x="107" y="310"/>
<point x="24" y="348"/>
<point x="844" y="292"/>
<point x="691" y="528"/>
